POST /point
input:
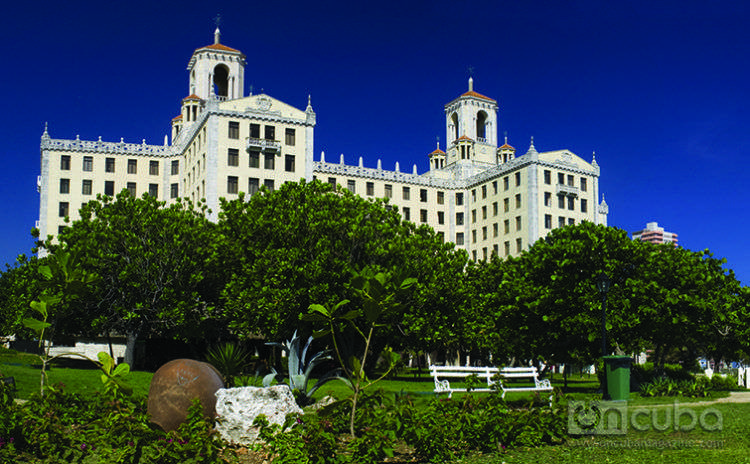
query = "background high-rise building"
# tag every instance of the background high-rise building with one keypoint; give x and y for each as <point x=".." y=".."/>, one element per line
<point x="655" y="234"/>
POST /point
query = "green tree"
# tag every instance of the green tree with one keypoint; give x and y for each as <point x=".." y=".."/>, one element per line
<point x="19" y="285"/>
<point x="300" y="245"/>
<point x="544" y="304"/>
<point x="156" y="267"/>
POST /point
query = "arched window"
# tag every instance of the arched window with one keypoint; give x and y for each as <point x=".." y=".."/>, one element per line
<point x="454" y="120"/>
<point x="481" y="125"/>
<point x="221" y="81"/>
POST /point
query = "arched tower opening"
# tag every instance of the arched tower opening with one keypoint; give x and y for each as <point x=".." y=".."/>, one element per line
<point x="221" y="80"/>
<point x="454" y="120"/>
<point x="481" y="126"/>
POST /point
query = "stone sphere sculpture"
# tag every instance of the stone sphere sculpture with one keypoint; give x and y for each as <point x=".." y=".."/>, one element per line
<point x="175" y="385"/>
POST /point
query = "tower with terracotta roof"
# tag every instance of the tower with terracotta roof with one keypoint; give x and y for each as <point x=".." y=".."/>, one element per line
<point x="217" y="70"/>
<point x="471" y="127"/>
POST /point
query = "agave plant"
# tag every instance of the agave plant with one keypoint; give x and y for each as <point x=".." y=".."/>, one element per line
<point x="300" y="368"/>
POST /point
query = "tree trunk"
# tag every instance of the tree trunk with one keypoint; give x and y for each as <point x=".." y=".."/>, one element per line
<point x="130" y="348"/>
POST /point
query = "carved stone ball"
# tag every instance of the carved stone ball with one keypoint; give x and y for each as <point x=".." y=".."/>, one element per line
<point x="175" y="385"/>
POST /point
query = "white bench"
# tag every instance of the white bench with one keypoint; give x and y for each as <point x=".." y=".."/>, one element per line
<point x="488" y="374"/>
<point x="524" y="373"/>
<point x="442" y="385"/>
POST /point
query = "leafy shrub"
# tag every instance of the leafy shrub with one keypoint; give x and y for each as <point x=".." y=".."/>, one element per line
<point x="722" y="383"/>
<point x="664" y="386"/>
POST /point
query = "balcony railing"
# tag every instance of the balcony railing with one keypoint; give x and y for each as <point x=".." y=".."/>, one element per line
<point x="569" y="190"/>
<point x="263" y="144"/>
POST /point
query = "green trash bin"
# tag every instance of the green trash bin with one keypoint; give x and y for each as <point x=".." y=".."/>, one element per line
<point x="617" y="369"/>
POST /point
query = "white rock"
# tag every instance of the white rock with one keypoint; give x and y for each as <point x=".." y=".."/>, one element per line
<point x="237" y="408"/>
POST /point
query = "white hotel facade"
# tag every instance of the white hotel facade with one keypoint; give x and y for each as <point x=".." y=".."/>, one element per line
<point x="480" y="195"/>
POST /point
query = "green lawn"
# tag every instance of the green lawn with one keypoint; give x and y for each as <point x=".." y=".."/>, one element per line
<point x="729" y="445"/>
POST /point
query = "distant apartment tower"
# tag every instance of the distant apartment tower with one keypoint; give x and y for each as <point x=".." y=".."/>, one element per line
<point x="655" y="234"/>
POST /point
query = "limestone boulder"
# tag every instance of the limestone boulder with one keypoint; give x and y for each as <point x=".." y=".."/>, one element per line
<point x="237" y="408"/>
<point x="175" y="385"/>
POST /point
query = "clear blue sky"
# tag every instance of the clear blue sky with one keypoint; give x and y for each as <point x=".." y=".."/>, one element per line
<point x="658" y="89"/>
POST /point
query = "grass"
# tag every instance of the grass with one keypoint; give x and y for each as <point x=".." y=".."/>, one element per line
<point x="730" y="445"/>
<point x="83" y="378"/>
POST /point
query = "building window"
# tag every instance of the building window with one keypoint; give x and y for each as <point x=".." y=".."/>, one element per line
<point x="254" y="131"/>
<point x="406" y="193"/>
<point x="518" y="179"/>
<point x="370" y="189"/>
<point x="571" y="203"/>
<point x="506" y="204"/>
<point x="289" y="165"/>
<point x="484" y="212"/>
<point x="571" y="221"/>
<point x="474" y="236"/>
<point x="254" y="159"/>
<point x="270" y="132"/>
<point x="109" y="165"/>
<point x="407" y="214"/>
<point x="460" y="238"/>
<point x="584" y="205"/>
<point x="423" y="215"/>
<point x="494" y="187"/>
<point x="175" y="167"/>
<point x="131" y="189"/>
<point x="561" y="178"/>
<point x="423" y="195"/>
<point x="561" y="201"/>
<point x="473" y="216"/>
<point x="132" y="166"/>
<point x="233" y="157"/>
<point x="519" y="245"/>
<point x="484" y="191"/>
<point x="153" y="190"/>
<point x="459" y="219"/>
<point x="494" y="208"/>
<point x="234" y="130"/>
<point x="64" y="185"/>
<point x="484" y="253"/>
<point x="269" y="161"/>
<point x="63" y="209"/>
<point x="583" y="184"/>
<point x="506" y="183"/>
<point x="174" y="191"/>
<point x="441" y="217"/>
<point x="332" y="182"/>
<point x="253" y="185"/>
<point x="518" y="200"/>
<point x="494" y="250"/>
<point x="547" y="199"/>
<point x="473" y="195"/>
<point x="88" y="163"/>
<point x="506" y="226"/>
<point x="388" y="191"/>
<point x="459" y="198"/>
<point x="232" y="184"/>
<point x="153" y="168"/>
<point x="289" y="137"/>
<point x="441" y="236"/>
<point x="484" y="233"/>
<point x="560" y="221"/>
<point x="65" y="163"/>
<point x="268" y="184"/>
<point x="571" y="182"/>
<point x="440" y="198"/>
<point x="547" y="177"/>
<point x="351" y="185"/>
<point x="518" y="222"/>
<point x="86" y="187"/>
<point x="109" y="187"/>
<point x="547" y="221"/>
<point x="507" y="248"/>
<point x="495" y="229"/>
